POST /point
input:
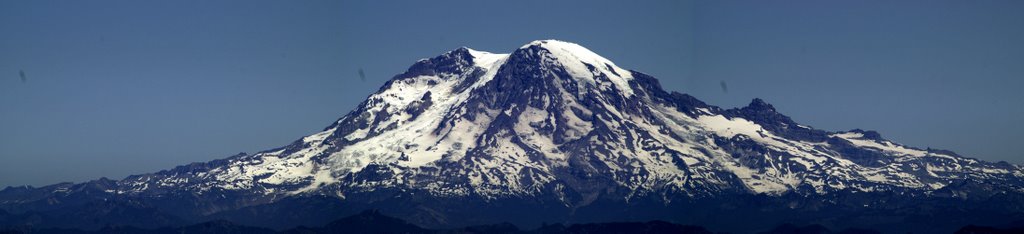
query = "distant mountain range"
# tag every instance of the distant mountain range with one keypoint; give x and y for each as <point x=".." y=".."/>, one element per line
<point x="551" y="132"/>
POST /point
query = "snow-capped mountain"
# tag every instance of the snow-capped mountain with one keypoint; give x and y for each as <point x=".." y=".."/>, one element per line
<point x="551" y="125"/>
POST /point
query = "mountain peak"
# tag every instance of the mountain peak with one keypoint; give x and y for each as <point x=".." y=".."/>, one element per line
<point x="551" y="43"/>
<point x="546" y="42"/>
<point x="466" y="51"/>
<point x="760" y="105"/>
<point x="483" y="58"/>
<point x="580" y="53"/>
<point x="579" y="62"/>
<point x="868" y="134"/>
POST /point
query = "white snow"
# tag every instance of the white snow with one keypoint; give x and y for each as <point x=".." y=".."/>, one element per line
<point x="530" y="120"/>
<point x="485" y="59"/>
<point x="318" y="137"/>
<point x="573" y="57"/>
<point x="413" y="137"/>
<point x="886" y="146"/>
<point x="730" y="127"/>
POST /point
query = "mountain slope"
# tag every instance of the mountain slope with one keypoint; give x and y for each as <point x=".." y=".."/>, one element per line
<point x="553" y="126"/>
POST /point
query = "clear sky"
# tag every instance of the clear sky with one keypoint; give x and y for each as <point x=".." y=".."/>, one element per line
<point x="104" y="88"/>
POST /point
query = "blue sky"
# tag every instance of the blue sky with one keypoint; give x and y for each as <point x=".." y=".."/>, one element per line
<point x="113" y="88"/>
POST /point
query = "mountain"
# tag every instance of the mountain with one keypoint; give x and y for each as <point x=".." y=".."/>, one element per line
<point x="551" y="132"/>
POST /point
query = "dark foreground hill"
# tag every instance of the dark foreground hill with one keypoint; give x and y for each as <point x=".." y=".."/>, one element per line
<point x="374" y="222"/>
